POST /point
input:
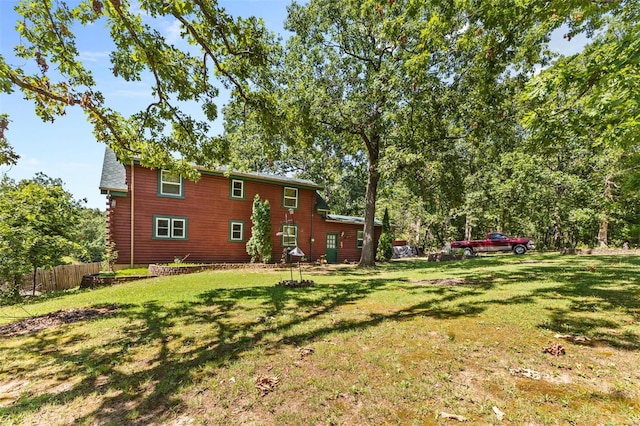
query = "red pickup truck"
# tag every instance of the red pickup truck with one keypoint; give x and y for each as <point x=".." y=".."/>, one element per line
<point x="496" y="241"/>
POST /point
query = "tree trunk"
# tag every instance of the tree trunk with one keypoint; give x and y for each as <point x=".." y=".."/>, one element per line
<point x="35" y="275"/>
<point x="467" y="229"/>
<point x="557" y="229"/>
<point x="367" y="257"/>
<point x="603" y="233"/>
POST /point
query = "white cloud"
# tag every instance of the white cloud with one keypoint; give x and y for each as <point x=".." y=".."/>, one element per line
<point x="135" y="9"/>
<point x="172" y="32"/>
<point x="90" y="56"/>
<point x="29" y="164"/>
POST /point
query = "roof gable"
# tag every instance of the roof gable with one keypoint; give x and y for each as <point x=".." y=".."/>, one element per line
<point x="114" y="176"/>
<point x="321" y="204"/>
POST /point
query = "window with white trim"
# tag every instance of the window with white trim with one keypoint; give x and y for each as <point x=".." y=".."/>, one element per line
<point x="236" y="230"/>
<point x="359" y="238"/>
<point x="237" y="189"/>
<point x="290" y="198"/>
<point x="170" y="228"/>
<point x="170" y="184"/>
<point x="289" y="235"/>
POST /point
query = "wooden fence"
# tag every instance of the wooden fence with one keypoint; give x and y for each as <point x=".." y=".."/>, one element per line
<point x="60" y="277"/>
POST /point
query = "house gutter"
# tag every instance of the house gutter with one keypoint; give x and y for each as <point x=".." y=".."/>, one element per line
<point x="132" y="212"/>
<point x="312" y="239"/>
<point x="109" y="236"/>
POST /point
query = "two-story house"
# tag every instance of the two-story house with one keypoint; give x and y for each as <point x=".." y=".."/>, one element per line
<point x="156" y="216"/>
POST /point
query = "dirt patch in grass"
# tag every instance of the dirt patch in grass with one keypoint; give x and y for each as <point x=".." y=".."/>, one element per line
<point x="449" y="282"/>
<point x="54" y="319"/>
<point x="10" y="391"/>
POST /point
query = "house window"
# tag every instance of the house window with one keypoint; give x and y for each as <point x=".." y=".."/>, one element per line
<point x="359" y="238"/>
<point x="289" y="235"/>
<point x="170" y="184"/>
<point x="290" y="200"/>
<point x="237" y="189"/>
<point x="170" y="228"/>
<point x="236" y="230"/>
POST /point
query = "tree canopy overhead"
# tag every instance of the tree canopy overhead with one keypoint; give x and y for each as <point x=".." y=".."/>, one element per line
<point x="591" y="101"/>
<point x="396" y="79"/>
<point x="217" y="49"/>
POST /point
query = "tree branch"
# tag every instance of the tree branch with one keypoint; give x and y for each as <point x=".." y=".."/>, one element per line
<point x="65" y="100"/>
<point x="208" y="52"/>
<point x="220" y="30"/>
<point x="150" y="61"/>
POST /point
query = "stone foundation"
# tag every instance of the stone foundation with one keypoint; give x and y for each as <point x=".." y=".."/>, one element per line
<point x="96" y="280"/>
<point x="164" y="270"/>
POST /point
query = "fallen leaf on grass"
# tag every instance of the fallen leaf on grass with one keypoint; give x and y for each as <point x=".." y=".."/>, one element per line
<point x="306" y="351"/>
<point x="555" y="349"/>
<point x="499" y="413"/>
<point x="266" y="384"/>
<point x="457" y="417"/>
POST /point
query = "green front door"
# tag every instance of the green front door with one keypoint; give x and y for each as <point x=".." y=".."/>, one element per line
<point x="332" y="248"/>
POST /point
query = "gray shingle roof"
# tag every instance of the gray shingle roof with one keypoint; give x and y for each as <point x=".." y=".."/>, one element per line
<point x="268" y="176"/>
<point x="350" y="219"/>
<point x="114" y="176"/>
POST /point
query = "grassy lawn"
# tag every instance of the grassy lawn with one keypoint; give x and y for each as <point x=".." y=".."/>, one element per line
<point x="410" y="342"/>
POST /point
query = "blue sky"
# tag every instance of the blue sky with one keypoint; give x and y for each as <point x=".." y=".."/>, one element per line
<point x="66" y="149"/>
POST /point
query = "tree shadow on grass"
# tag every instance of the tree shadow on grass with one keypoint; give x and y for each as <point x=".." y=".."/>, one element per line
<point x="135" y="375"/>
<point x="602" y="294"/>
<point x="602" y="301"/>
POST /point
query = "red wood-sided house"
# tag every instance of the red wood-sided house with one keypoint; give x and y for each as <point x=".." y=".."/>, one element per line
<point x="155" y="216"/>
